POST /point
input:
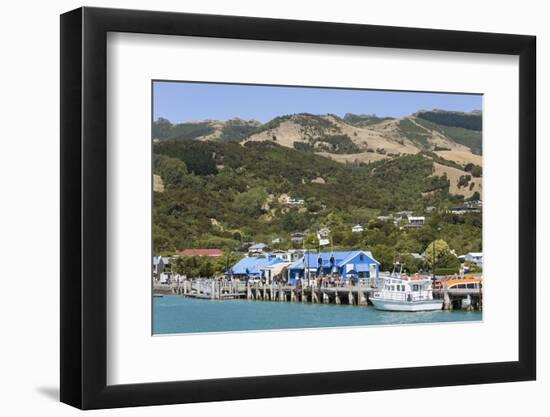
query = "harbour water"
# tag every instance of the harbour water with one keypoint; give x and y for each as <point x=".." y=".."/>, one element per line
<point x="174" y="314"/>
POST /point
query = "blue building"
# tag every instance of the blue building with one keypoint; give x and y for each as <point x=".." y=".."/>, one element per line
<point x="251" y="267"/>
<point x="348" y="265"/>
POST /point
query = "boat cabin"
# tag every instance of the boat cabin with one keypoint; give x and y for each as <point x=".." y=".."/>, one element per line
<point x="404" y="288"/>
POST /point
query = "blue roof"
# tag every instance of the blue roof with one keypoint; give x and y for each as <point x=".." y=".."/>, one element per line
<point x="252" y="265"/>
<point x="340" y="259"/>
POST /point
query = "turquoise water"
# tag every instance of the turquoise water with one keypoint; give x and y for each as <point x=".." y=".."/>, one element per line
<point x="177" y="314"/>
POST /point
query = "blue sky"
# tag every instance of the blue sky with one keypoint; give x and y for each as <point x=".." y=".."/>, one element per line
<point x="186" y="101"/>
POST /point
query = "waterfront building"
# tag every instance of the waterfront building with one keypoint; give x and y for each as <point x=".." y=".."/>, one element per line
<point x="160" y="265"/>
<point x="357" y="228"/>
<point x="251" y="267"/>
<point x="277" y="272"/>
<point x="347" y="265"/>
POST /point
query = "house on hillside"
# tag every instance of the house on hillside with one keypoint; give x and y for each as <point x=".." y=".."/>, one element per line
<point x="297" y="237"/>
<point x="293" y="201"/>
<point x="324" y="232"/>
<point x="473" y="204"/>
<point x="357" y="228"/>
<point x="474" y="257"/>
<point x="257" y="249"/>
<point x="401" y="215"/>
<point x="276" y="240"/>
<point x="214" y="253"/>
<point x="416" y="220"/>
<point x="464" y="210"/>
<point x="347" y="265"/>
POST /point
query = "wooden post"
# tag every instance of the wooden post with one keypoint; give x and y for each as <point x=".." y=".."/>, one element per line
<point x="351" y="298"/>
<point x="281" y="294"/>
<point x="326" y="298"/>
<point x="292" y="295"/>
<point x="447" y="303"/>
<point x="336" y="297"/>
<point x="361" y="298"/>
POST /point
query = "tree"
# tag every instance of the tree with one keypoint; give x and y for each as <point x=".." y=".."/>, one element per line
<point x="475" y="196"/>
<point x="385" y="255"/>
<point x="464" y="180"/>
<point x="250" y="202"/>
<point x="161" y="128"/>
<point x="172" y="170"/>
<point x="178" y="265"/>
<point x="440" y="251"/>
<point x="206" y="269"/>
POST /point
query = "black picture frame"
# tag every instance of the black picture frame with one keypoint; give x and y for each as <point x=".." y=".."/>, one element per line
<point x="84" y="207"/>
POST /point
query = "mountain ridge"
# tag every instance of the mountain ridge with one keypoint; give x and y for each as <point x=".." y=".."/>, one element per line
<point x="448" y="137"/>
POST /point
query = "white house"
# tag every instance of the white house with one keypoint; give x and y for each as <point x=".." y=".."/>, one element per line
<point x="324" y="232"/>
<point x="293" y="201"/>
<point x="475" y="257"/>
<point x="357" y="228"/>
<point x="281" y="254"/>
<point x="160" y="264"/>
<point x="298" y="237"/>
<point x="257" y="249"/>
<point x="416" y="220"/>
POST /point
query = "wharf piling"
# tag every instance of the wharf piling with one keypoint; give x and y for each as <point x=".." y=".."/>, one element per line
<point x="357" y="295"/>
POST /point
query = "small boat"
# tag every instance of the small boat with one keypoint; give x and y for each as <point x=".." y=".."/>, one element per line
<point x="405" y="293"/>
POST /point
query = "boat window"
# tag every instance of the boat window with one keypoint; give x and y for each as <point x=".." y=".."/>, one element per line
<point x="393" y="287"/>
<point x="470" y="285"/>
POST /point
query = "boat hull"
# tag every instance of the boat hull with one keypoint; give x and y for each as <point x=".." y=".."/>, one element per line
<point x="392" y="305"/>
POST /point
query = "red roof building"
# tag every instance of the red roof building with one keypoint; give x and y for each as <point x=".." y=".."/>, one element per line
<point x="201" y="252"/>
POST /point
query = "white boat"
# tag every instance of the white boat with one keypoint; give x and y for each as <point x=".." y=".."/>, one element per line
<point x="405" y="293"/>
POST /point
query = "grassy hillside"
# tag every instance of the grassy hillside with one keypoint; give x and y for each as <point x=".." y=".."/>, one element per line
<point x="221" y="194"/>
<point x="364" y="119"/>
<point x="462" y="128"/>
<point x="164" y="129"/>
<point x="470" y="121"/>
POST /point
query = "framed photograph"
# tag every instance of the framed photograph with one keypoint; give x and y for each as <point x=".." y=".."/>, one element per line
<point x="259" y="208"/>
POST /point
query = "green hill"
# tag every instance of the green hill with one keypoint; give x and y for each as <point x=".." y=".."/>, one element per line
<point x="221" y="194"/>
<point x="463" y="128"/>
